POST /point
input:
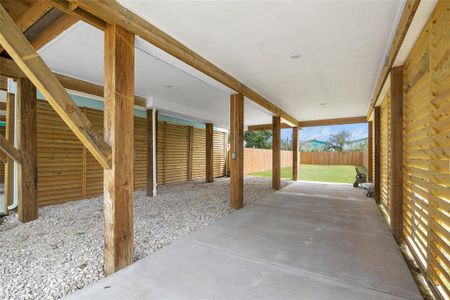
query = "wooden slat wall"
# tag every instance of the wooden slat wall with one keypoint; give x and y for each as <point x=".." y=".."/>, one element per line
<point x="372" y="162"/>
<point x="59" y="155"/>
<point x="385" y="165"/>
<point x="199" y="154"/>
<point x="426" y="124"/>
<point x="67" y="171"/>
<point x="2" y="164"/>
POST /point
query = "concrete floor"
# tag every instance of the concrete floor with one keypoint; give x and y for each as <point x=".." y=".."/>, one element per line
<point x="307" y="241"/>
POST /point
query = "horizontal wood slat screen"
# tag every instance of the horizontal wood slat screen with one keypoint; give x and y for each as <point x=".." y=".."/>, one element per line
<point x="385" y="166"/>
<point x="2" y="164"/>
<point x="426" y="140"/>
<point x="67" y="171"/>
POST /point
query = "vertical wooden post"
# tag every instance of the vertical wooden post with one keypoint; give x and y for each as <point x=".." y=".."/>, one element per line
<point x="118" y="132"/>
<point x="237" y="151"/>
<point x="276" y="152"/>
<point x="209" y="152"/>
<point x="370" y="151"/>
<point x="295" y="153"/>
<point x="26" y="143"/>
<point x="150" y="149"/>
<point x="396" y="153"/>
<point x="85" y="162"/>
<point x="377" y="152"/>
<point x="9" y="167"/>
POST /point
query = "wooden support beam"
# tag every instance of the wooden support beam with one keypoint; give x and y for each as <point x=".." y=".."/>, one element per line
<point x="37" y="10"/>
<point x="295" y="161"/>
<point x="10" y="69"/>
<point x="35" y="68"/>
<point x="151" y="151"/>
<point x="276" y="152"/>
<point x="114" y="13"/>
<point x="400" y="33"/>
<point x="119" y="134"/>
<point x="3" y="157"/>
<point x="9" y="135"/>
<point x="339" y="121"/>
<point x="10" y="150"/>
<point x="209" y="152"/>
<point x="265" y="127"/>
<point x="75" y="11"/>
<point x="377" y="152"/>
<point x="57" y="27"/>
<point x="26" y="142"/>
<point x="237" y="151"/>
<point x="396" y="153"/>
<point x="370" y="152"/>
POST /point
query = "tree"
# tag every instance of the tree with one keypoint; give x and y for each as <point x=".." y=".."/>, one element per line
<point x="338" y="141"/>
<point x="261" y="139"/>
<point x="286" y="144"/>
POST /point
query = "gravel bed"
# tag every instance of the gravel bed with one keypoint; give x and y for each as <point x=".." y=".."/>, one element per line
<point x="62" y="251"/>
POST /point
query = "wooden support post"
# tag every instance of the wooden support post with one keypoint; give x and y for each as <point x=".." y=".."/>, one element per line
<point x="377" y="152"/>
<point x="150" y="152"/>
<point x="276" y="152"/>
<point x="396" y="153"/>
<point x="118" y="132"/>
<point x="295" y="153"/>
<point x="9" y="135"/>
<point x="26" y="143"/>
<point x="209" y="152"/>
<point x="370" y="151"/>
<point x="237" y="151"/>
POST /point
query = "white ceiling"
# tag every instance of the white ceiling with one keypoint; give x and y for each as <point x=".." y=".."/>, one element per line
<point x="78" y="52"/>
<point x="342" y="45"/>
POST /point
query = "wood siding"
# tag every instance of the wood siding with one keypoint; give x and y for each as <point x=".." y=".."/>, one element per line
<point x="426" y="150"/>
<point x="67" y="171"/>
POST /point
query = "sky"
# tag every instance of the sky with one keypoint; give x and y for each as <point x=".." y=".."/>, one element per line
<point x="322" y="133"/>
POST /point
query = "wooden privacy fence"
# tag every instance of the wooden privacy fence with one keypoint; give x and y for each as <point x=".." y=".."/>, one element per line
<point x="354" y="158"/>
<point x="67" y="171"/>
<point x="257" y="160"/>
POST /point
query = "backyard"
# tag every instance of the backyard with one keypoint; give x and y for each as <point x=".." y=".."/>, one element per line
<point x="325" y="173"/>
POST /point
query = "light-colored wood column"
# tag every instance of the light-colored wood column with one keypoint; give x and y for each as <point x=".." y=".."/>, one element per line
<point x="151" y="150"/>
<point x="26" y="143"/>
<point x="118" y="132"/>
<point x="295" y="153"/>
<point x="237" y="151"/>
<point x="370" y="151"/>
<point x="377" y="152"/>
<point x="209" y="152"/>
<point x="9" y="135"/>
<point x="276" y="152"/>
<point x="396" y="153"/>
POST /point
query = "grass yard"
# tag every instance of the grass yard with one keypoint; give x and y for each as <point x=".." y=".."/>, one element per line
<point x="327" y="173"/>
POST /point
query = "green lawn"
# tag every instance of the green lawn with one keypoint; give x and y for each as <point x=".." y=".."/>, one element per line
<point x="333" y="173"/>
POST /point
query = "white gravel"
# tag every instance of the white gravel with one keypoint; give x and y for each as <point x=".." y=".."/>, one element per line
<point x="62" y="251"/>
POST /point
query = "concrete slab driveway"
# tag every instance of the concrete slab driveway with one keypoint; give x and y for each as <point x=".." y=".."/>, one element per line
<point x="307" y="241"/>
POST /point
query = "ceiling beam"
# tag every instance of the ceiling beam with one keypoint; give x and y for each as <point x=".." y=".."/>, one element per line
<point x="327" y="122"/>
<point x="61" y="24"/>
<point x="75" y="11"/>
<point x="10" y="69"/>
<point x="114" y="13"/>
<point x="37" y="10"/>
<point x="265" y="127"/>
<point x="29" y="61"/>
<point x="402" y="28"/>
